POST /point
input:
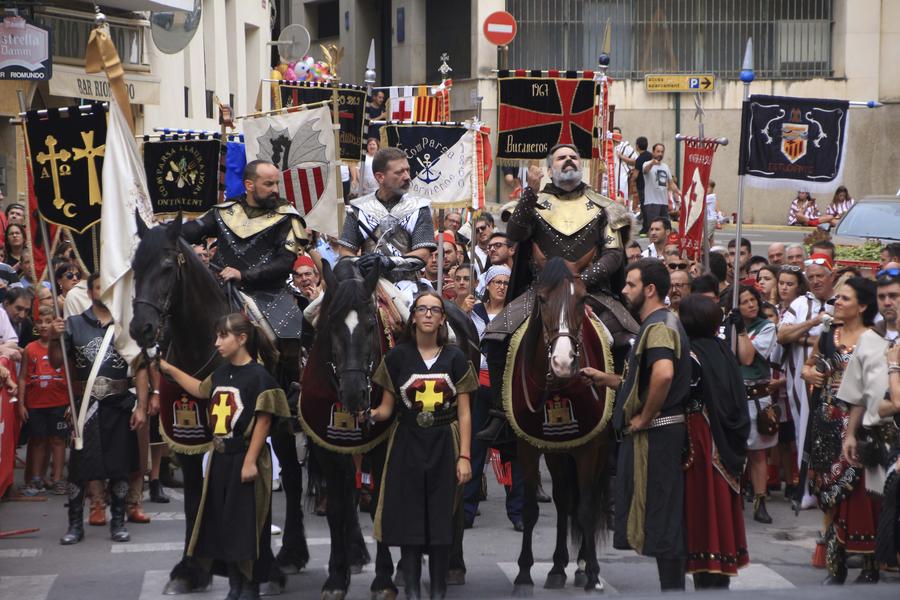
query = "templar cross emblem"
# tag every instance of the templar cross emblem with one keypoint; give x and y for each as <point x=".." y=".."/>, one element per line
<point x="429" y="397"/>
<point x="221" y="411"/>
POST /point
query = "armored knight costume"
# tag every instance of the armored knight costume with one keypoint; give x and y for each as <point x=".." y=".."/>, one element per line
<point x="391" y="229"/>
<point x="584" y="228"/>
<point x="262" y="244"/>
<point x="110" y="447"/>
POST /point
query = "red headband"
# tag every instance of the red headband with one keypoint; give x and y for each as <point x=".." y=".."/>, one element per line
<point x="449" y="237"/>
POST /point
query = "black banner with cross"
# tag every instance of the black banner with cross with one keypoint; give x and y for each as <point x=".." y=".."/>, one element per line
<point x="351" y="110"/>
<point x="182" y="175"/>
<point x="66" y="153"/>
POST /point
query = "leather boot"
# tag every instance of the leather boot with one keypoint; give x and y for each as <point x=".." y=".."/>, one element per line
<point x="835" y="559"/>
<point x="411" y="557"/>
<point x="671" y="574"/>
<point x="235" y="582"/>
<point x="250" y="591"/>
<point x="496" y="431"/>
<point x="167" y="475"/>
<point x="760" y="514"/>
<point x="157" y="494"/>
<point x="118" y="491"/>
<point x="76" y="516"/>
<point x="869" y="573"/>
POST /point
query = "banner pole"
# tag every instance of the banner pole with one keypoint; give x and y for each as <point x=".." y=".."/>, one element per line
<point x="45" y="238"/>
<point x="705" y="242"/>
<point x="747" y="77"/>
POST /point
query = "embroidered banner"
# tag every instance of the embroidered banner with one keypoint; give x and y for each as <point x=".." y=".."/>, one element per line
<point x="351" y="110"/>
<point x="409" y="103"/>
<point x="446" y="162"/>
<point x="301" y="145"/>
<point x="67" y="162"/>
<point x="182" y="175"/>
<point x="698" y="157"/>
<point x="791" y="143"/>
<point x="538" y="112"/>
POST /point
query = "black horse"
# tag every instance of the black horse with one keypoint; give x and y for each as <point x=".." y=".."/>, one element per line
<point x="178" y="299"/>
<point x="348" y="340"/>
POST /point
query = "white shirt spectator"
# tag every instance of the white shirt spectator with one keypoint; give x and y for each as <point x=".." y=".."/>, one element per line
<point x="656" y="185"/>
<point x="7" y="331"/>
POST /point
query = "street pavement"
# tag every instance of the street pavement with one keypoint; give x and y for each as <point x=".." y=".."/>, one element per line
<point x="36" y="567"/>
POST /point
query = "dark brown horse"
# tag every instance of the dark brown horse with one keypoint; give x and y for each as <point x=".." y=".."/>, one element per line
<point x="555" y="413"/>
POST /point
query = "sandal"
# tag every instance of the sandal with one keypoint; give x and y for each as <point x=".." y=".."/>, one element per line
<point x="60" y="488"/>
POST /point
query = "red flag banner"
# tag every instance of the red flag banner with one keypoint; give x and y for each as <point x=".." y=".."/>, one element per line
<point x="698" y="157"/>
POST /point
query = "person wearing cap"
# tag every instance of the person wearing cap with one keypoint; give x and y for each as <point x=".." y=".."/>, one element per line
<point x="800" y="327"/>
<point x="305" y="278"/>
<point x="658" y="232"/>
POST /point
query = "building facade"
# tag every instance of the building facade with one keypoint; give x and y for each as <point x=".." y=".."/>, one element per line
<point x="844" y="49"/>
<point x="226" y="59"/>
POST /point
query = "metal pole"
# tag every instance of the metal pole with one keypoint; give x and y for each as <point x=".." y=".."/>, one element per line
<point x="45" y="238"/>
<point x="705" y="242"/>
<point x="678" y="128"/>
<point x="747" y="78"/>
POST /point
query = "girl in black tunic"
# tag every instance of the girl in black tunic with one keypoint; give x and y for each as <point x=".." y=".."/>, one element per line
<point x="429" y="383"/>
<point x="234" y="520"/>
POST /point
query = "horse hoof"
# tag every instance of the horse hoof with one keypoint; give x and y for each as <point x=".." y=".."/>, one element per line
<point x="384" y="595"/>
<point x="333" y="594"/>
<point x="178" y="586"/>
<point x="555" y="581"/>
<point x="356" y="569"/>
<point x="580" y="578"/>
<point x="456" y="577"/>
<point x="596" y="588"/>
<point x="398" y="579"/>
<point x="523" y="590"/>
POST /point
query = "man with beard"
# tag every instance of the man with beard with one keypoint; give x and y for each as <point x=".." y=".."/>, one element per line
<point x="649" y="417"/>
<point x="484" y="228"/>
<point x="567" y="219"/>
<point x="259" y="237"/>
<point x="390" y="226"/>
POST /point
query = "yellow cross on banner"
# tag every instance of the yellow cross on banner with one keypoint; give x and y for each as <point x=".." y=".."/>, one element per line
<point x="222" y="411"/>
<point x="429" y="398"/>
<point x="89" y="152"/>
<point x="54" y="158"/>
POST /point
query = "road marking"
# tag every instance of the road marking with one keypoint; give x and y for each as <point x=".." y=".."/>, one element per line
<point x="20" y="552"/>
<point x="32" y="587"/>
<point x="130" y="547"/>
<point x="147" y="547"/>
<point x="166" y="516"/>
<point x="753" y="577"/>
<point x="539" y="573"/>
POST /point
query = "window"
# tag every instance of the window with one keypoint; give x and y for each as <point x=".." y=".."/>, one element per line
<point x="71" y="29"/>
<point x="791" y="38"/>
<point x="328" y="19"/>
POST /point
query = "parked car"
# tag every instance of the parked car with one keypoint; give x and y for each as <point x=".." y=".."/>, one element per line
<point x="873" y="218"/>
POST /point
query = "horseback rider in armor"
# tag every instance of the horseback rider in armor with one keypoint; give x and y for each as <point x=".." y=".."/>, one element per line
<point x="566" y="219"/>
<point x="390" y="226"/>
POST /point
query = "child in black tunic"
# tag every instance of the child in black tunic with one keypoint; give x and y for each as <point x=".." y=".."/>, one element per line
<point x="428" y="452"/>
<point x="234" y="520"/>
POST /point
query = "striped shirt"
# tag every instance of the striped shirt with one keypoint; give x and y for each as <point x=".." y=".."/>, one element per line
<point x="839" y="209"/>
<point x="810" y="211"/>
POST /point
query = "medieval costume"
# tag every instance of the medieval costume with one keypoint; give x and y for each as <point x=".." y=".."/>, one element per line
<point x="110" y="446"/>
<point x="718" y="424"/>
<point x="649" y="495"/>
<point x="582" y="227"/>
<point x="839" y="486"/>
<point x="418" y="487"/>
<point x="234" y="521"/>
<point x="263" y="244"/>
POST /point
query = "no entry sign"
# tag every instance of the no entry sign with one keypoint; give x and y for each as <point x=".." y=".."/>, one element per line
<point x="500" y="28"/>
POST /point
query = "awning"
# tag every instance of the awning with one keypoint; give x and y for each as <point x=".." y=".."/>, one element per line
<point x="73" y="82"/>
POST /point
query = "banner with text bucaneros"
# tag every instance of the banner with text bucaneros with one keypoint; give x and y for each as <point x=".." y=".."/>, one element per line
<point x="539" y="109"/>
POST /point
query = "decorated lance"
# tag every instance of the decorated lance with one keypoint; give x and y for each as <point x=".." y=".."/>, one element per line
<point x="747" y="77"/>
<point x="333" y="55"/>
<point x="443" y="70"/>
<point x="603" y="140"/>
<point x="45" y="238"/>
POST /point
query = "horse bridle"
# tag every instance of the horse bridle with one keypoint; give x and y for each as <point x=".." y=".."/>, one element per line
<point x="575" y="338"/>
<point x="366" y="371"/>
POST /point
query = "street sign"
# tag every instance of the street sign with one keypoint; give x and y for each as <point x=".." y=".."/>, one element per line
<point x="24" y="50"/>
<point x="691" y="83"/>
<point x="500" y="28"/>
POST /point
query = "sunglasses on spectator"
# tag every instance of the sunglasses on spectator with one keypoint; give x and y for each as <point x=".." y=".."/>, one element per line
<point x="678" y="266"/>
<point x="496" y="245"/>
<point x="480" y="228"/>
<point x="816" y="261"/>
<point x="792" y="268"/>
<point x="431" y="310"/>
<point x="892" y="272"/>
<point x="72" y="275"/>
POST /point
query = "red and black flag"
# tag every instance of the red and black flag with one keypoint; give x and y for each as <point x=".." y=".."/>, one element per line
<point x="539" y="109"/>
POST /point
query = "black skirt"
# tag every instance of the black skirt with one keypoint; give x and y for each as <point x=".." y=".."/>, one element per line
<point x="110" y="446"/>
<point x="419" y="486"/>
